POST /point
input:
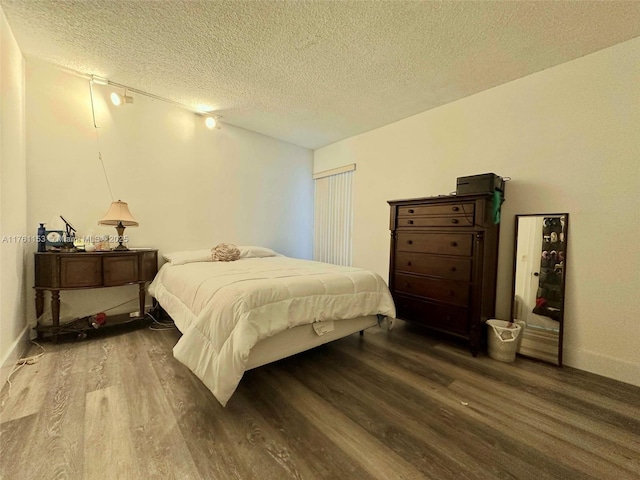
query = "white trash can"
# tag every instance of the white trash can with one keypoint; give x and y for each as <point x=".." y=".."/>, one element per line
<point x="503" y="339"/>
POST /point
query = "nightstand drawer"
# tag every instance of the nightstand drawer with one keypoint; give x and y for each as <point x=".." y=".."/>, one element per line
<point x="440" y="243"/>
<point x="449" y="291"/>
<point x="78" y="272"/>
<point x="453" y="268"/>
<point x="119" y="270"/>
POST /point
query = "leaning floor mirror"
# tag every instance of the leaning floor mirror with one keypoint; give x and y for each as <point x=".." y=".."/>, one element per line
<point x="539" y="284"/>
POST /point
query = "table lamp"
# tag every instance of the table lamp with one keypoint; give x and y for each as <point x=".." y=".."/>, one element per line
<point x="120" y="217"/>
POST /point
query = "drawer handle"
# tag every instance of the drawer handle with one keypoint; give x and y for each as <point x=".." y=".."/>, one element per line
<point x="453" y="269"/>
<point x="454" y="244"/>
<point x="455" y="209"/>
<point x="411" y="210"/>
<point x="410" y="242"/>
<point x="454" y="220"/>
<point x="410" y="222"/>
<point x="408" y="264"/>
<point x="452" y="293"/>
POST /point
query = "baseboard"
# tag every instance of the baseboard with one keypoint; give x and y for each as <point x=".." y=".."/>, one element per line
<point x="18" y="350"/>
<point x="623" y="371"/>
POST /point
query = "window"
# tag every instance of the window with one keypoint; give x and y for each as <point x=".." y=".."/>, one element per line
<point x="333" y="222"/>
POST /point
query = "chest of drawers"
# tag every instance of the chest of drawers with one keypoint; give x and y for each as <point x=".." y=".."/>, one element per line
<point x="443" y="263"/>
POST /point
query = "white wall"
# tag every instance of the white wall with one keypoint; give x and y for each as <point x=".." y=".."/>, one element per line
<point x="13" y="204"/>
<point x="187" y="186"/>
<point x="568" y="137"/>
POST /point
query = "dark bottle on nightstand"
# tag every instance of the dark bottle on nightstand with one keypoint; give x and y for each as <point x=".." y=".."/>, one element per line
<point x="41" y="238"/>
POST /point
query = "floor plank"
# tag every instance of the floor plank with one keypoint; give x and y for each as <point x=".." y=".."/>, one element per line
<point x="159" y="445"/>
<point x="109" y="450"/>
<point x="27" y="396"/>
<point x="53" y="446"/>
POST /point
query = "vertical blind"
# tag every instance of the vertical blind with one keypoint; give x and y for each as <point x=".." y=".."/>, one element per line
<point x="333" y="220"/>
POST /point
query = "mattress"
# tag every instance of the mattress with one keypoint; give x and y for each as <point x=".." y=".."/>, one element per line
<point x="224" y="309"/>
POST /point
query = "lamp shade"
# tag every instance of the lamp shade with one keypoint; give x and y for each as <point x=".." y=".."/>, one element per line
<point x="118" y="214"/>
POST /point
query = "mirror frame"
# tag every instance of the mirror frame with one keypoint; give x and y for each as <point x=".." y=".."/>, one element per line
<point x="562" y="284"/>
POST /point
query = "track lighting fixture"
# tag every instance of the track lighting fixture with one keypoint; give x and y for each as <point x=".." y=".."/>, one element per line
<point x="99" y="80"/>
<point x="118" y="99"/>
<point x="210" y="120"/>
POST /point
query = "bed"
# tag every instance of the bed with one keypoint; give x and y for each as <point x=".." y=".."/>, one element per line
<point x="238" y="315"/>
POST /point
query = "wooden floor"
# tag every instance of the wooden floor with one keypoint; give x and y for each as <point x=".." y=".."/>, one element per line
<point x="385" y="405"/>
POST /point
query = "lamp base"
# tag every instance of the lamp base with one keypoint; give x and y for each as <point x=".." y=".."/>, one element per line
<point x="120" y="229"/>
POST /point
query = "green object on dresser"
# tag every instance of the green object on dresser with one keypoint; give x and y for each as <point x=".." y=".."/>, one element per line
<point x="498" y="199"/>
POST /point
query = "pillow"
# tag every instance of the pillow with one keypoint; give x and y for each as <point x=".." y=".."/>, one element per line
<point x="188" y="256"/>
<point x="225" y="252"/>
<point x="250" y="251"/>
<point x="191" y="256"/>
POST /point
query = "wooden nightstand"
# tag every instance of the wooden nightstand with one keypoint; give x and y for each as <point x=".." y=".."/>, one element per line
<point x="56" y="271"/>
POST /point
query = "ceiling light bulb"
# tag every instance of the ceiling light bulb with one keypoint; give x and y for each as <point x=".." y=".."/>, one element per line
<point x="210" y="122"/>
<point x="116" y="99"/>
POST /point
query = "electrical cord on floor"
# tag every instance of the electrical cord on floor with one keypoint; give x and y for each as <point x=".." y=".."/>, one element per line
<point x="78" y="325"/>
<point x="159" y="326"/>
<point x="99" y="311"/>
<point x="31" y="360"/>
<point x="68" y="328"/>
<point x="119" y="305"/>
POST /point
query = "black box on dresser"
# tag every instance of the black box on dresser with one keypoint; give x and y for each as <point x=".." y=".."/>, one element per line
<point x="483" y="183"/>
<point x="443" y="263"/>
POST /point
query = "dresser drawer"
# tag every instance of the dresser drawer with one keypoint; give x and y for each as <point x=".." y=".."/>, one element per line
<point x="441" y="243"/>
<point x="453" y="268"/>
<point x="119" y="270"/>
<point x="448" y="318"/>
<point x="449" y="291"/>
<point x="466" y="209"/>
<point x="436" y="221"/>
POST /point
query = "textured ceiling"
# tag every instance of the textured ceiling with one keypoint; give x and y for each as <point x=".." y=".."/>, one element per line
<point x="315" y="72"/>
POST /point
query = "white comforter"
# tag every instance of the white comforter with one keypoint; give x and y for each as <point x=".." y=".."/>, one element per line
<point x="224" y="308"/>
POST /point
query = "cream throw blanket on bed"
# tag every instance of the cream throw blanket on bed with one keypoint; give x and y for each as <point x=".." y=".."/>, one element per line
<point x="224" y="308"/>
